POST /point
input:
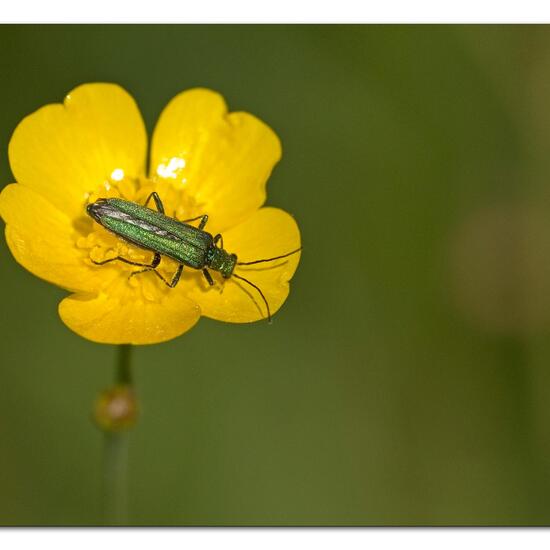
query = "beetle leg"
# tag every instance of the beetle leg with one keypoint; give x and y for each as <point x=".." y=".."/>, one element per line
<point x="170" y="284"/>
<point x="203" y="221"/>
<point x="152" y="265"/>
<point x="208" y="277"/>
<point x="154" y="195"/>
<point x="175" y="278"/>
<point x="144" y="270"/>
<point x="217" y="238"/>
<point x="203" y="218"/>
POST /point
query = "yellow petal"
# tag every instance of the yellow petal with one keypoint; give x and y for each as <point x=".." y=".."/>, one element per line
<point x="221" y="160"/>
<point x="42" y="239"/>
<point x="116" y="320"/>
<point x="66" y="151"/>
<point x="267" y="233"/>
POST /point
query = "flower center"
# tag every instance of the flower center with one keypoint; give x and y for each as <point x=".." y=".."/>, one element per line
<point x="98" y="244"/>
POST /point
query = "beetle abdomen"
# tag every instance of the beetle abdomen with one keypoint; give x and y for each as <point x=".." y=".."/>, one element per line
<point x="152" y="230"/>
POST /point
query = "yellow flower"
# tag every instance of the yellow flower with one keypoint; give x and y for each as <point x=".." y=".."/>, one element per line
<point x="202" y="160"/>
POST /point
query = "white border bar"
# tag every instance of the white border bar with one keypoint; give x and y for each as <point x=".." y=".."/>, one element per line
<point x="275" y="539"/>
<point x="280" y="11"/>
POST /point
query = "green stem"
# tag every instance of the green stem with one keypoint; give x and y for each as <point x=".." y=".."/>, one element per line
<point x="124" y="369"/>
<point x="115" y="464"/>
<point x="115" y="478"/>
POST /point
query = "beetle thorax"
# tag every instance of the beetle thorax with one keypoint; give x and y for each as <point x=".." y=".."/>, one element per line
<point x="222" y="261"/>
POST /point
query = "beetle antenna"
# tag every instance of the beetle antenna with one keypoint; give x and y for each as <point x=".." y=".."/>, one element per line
<point x="270" y="259"/>
<point x="261" y="294"/>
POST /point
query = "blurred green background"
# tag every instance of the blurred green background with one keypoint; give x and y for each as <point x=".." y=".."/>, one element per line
<point x="407" y="378"/>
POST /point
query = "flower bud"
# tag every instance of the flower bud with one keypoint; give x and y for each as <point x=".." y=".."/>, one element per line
<point x="115" y="409"/>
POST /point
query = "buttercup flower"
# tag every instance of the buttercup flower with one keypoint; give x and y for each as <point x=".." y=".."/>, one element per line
<point x="203" y="160"/>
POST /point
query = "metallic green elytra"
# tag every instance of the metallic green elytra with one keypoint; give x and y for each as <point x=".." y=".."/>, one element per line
<point x="164" y="236"/>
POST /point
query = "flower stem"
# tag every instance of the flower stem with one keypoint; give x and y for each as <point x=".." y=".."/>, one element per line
<point x="124" y="368"/>
<point x="115" y="414"/>
<point x="115" y="506"/>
